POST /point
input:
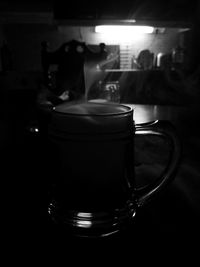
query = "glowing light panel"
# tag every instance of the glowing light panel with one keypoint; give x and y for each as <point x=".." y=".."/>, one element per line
<point x="123" y="29"/>
<point x="122" y="33"/>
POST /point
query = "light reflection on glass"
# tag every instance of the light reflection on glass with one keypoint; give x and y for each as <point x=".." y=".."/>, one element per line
<point x="83" y="219"/>
<point x="84" y="224"/>
<point x="84" y="214"/>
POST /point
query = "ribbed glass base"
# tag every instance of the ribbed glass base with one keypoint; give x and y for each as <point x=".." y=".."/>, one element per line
<point x="91" y="224"/>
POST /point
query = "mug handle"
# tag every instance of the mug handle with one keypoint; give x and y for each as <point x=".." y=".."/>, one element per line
<point x="165" y="129"/>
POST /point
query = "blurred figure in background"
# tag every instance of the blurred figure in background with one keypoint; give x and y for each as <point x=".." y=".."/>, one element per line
<point x="66" y="83"/>
<point x="103" y="52"/>
<point x="70" y="74"/>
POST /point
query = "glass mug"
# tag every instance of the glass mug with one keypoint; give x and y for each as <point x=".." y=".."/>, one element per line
<point x="94" y="192"/>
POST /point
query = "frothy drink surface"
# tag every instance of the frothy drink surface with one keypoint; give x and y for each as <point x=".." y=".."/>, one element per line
<point x="89" y="108"/>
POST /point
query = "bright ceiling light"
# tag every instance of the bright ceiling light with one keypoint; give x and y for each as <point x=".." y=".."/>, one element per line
<point x="123" y="29"/>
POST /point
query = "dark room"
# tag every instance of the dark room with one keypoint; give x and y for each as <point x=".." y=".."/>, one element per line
<point x="100" y="136"/>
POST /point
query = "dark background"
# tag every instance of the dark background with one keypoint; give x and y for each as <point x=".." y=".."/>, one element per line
<point x="167" y="227"/>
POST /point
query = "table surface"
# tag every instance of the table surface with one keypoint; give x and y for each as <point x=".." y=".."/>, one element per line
<point x="173" y="216"/>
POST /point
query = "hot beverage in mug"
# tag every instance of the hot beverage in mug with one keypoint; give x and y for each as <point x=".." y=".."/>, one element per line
<point x="94" y="192"/>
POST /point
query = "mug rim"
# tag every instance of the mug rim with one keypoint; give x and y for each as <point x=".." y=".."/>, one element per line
<point x="128" y="111"/>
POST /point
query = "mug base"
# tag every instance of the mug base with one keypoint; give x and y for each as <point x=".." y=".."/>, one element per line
<point x="91" y="224"/>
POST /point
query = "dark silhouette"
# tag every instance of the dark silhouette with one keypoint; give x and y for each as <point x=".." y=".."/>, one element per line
<point x="6" y="57"/>
<point x="45" y="59"/>
<point x="67" y="83"/>
<point x="70" y="74"/>
<point x="103" y="52"/>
